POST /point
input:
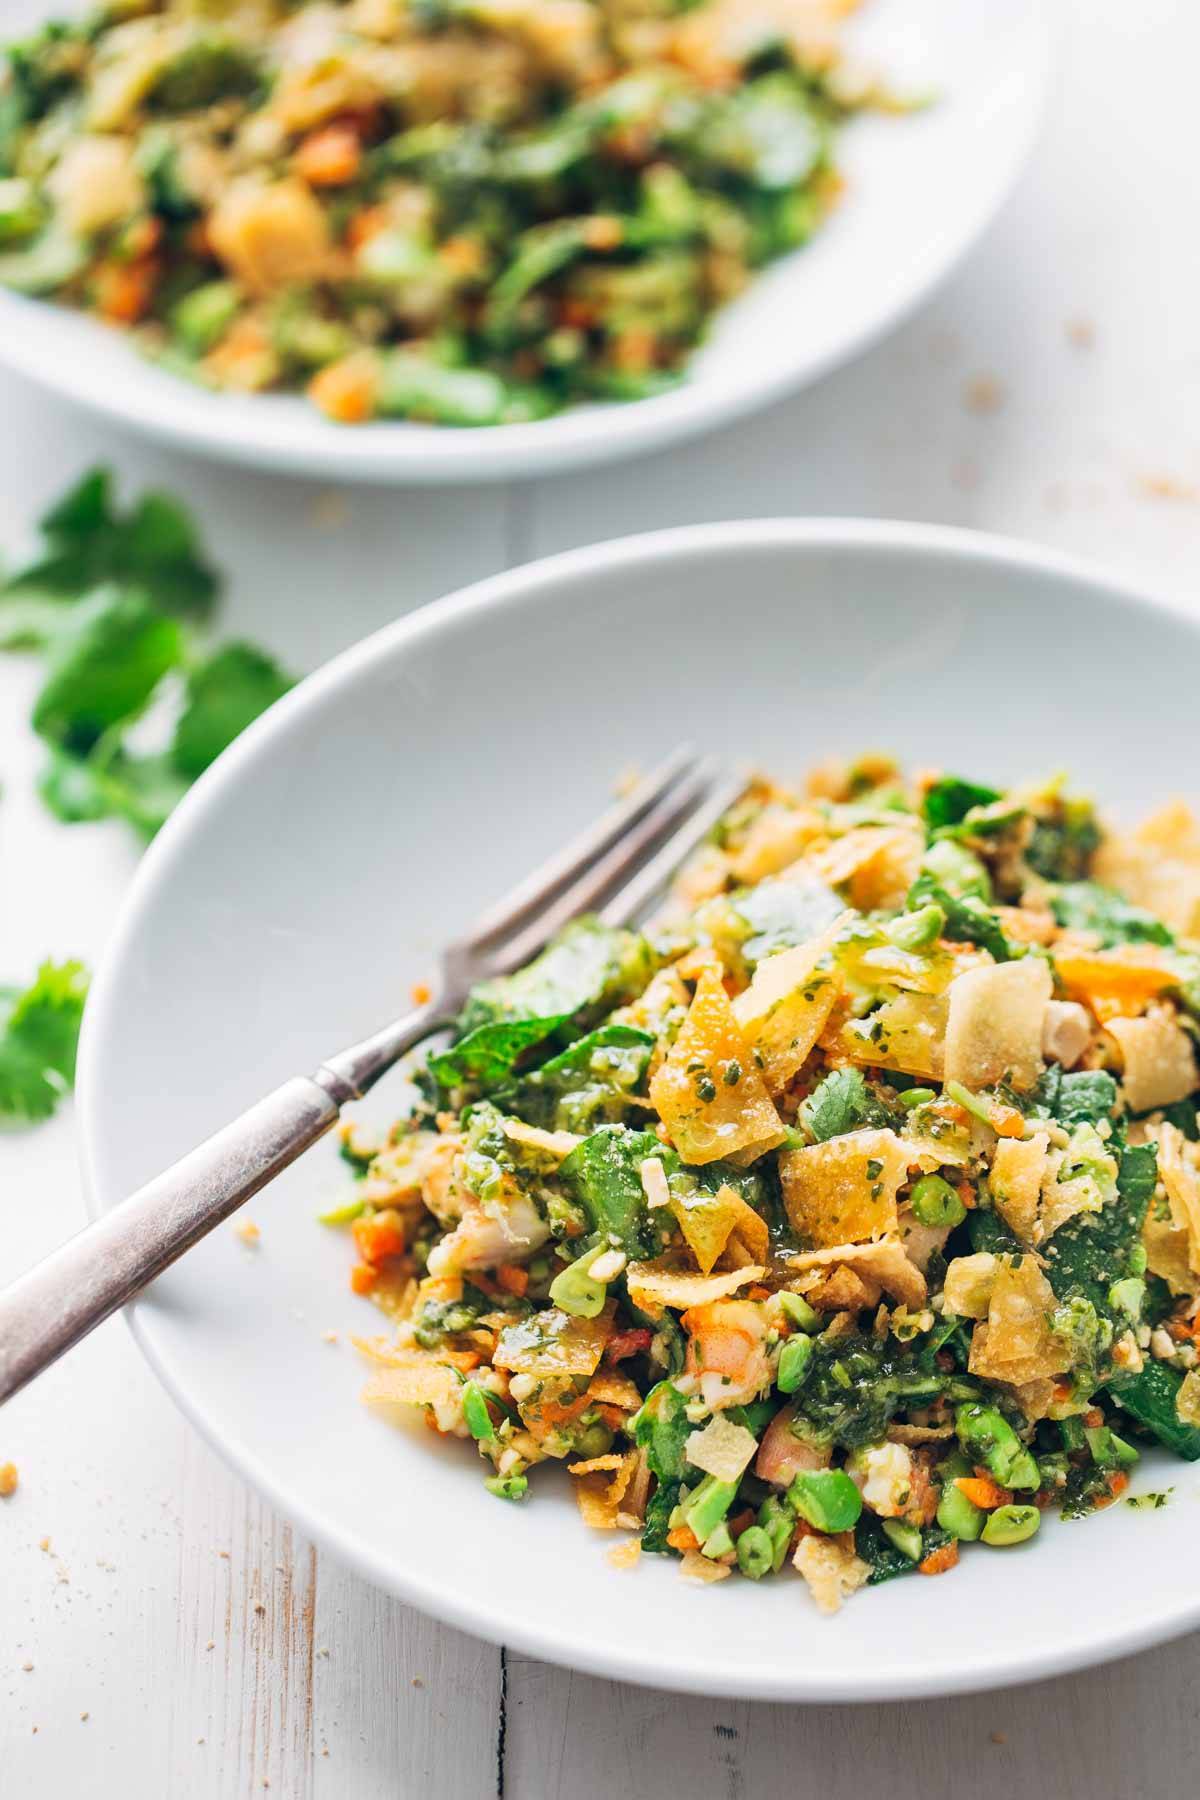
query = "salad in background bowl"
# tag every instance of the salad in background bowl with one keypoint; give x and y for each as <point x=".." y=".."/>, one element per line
<point x="541" y="224"/>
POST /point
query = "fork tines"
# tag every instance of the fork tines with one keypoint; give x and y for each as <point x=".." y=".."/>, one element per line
<point x="618" y="866"/>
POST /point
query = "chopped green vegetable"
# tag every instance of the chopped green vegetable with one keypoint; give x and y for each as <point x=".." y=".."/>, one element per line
<point x="39" y="1033"/>
<point x="948" y="801"/>
<point x="1010" y="1525"/>
<point x="935" y="1202"/>
<point x="794" y="1359"/>
<point x="827" y="1498"/>
<point x="601" y="1175"/>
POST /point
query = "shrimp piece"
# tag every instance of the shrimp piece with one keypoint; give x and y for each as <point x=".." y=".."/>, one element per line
<point x="439" y="1189"/>
<point x="725" y="1351"/>
<point x="481" y="1239"/>
<point x="782" y="1455"/>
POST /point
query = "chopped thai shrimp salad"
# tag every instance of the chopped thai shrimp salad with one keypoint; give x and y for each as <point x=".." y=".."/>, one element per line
<point x="847" y="1215"/>
<point x="465" y="211"/>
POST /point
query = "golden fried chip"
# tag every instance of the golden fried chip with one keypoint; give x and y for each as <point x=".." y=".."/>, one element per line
<point x="708" y="1091"/>
<point x="555" y="1343"/>
<point x="844" y="1190"/>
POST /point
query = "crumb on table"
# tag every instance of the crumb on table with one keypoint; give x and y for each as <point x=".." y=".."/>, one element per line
<point x="248" y="1233"/>
<point x="984" y="394"/>
<point x="8" y="1479"/>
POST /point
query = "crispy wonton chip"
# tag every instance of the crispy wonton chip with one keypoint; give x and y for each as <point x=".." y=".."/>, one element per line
<point x="884" y="1263"/>
<point x="600" y="1487"/>
<point x="695" y="1567"/>
<point x="708" y="1091"/>
<point x="1179" y="1176"/>
<point x="907" y="1033"/>
<point x="844" y="1190"/>
<point x="967" y="1289"/>
<point x="610" y="1389"/>
<point x="555" y="1343"/>
<point x="831" y="1568"/>
<point x="1016" y="1343"/>
<point x="655" y="1285"/>
<point x="722" y="1448"/>
<point x="875" y="864"/>
<point x="1157" y="1059"/>
<point x="784" y="1010"/>
<point x="994" y="1031"/>
<point x="778" y="836"/>
<point x="1017" y="1173"/>
<point x="1158" y="867"/>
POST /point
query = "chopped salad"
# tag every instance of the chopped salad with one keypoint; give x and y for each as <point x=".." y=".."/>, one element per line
<point x="847" y="1215"/>
<point x="465" y="211"/>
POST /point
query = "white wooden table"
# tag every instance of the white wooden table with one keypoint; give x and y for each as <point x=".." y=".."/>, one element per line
<point x="161" y="1632"/>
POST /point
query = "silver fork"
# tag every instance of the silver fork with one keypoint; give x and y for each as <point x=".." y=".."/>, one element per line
<point x="615" y="868"/>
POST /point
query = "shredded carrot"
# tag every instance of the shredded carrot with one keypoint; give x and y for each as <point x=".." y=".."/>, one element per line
<point x="378" y="1236"/>
<point x="982" y="1491"/>
<point x="1118" y="1481"/>
<point x="1006" y="1121"/>
<point x="966" y="1194"/>
<point x="603" y="232"/>
<point x="580" y="313"/>
<point x="683" y="1538"/>
<point x="741" y="1522"/>
<point x="1093" y="1418"/>
<point x="124" y="290"/>
<point x="512" y="1278"/>
<point x="366" y="225"/>
<point x="633" y="350"/>
<point x="330" y="157"/>
<point x="141" y="238"/>
<point x="363" y="1278"/>
<point x="938" y="1561"/>
<point x="463" y="255"/>
<point x="758" y="1293"/>
<point x="345" y="391"/>
<point x="197" y="242"/>
<point x="465" y="1360"/>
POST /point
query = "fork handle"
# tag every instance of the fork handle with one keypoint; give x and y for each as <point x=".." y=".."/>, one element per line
<point x="48" y="1310"/>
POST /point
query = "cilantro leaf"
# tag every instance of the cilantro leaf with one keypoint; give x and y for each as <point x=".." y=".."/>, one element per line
<point x="601" y="1174"/>
<point x="1086" y="906"/>
<point x="585" y="1085"/>
<point x="1086" y="1096"/>
<point x="1149" y="1396"/>
<point x="841" y="1102"/>
<point x="486" y="1057"/>
<point x="586" y="971"/>
<point x="39" y="1032"/>
<point x="103" y="666"/>
<point x="86" y="542"/>
<point x="109" y="783"/>
<point x="225" y="693"/>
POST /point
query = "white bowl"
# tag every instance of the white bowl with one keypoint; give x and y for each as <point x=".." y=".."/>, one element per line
<point x="921" y="190"/>
<point x="303" y="885"/>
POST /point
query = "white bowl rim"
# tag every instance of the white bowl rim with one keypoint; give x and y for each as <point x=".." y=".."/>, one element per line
<point x="392" y="641"/>
<point x="581" y="437"/>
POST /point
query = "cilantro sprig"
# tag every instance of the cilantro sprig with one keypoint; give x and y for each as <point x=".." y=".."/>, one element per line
<point x="116" y="602"/>
<point x="39" y="1034"/>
